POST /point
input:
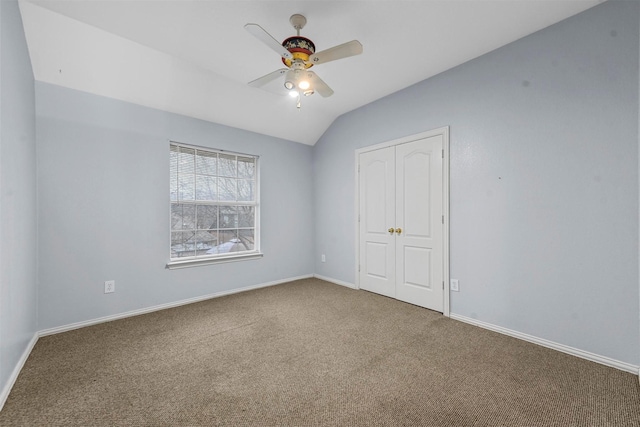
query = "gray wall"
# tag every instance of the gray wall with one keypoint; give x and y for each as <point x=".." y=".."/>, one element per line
<point x="103" y="194"/>
<point x="18" y="290"/>
<point x="544" y="180"/>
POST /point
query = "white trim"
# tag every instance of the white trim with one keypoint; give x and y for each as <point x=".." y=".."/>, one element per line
<point x="195" y="262"/>
<point x="59" y="329"/>
<point x="336" y="281"/>
<point x="445" y="213"/>
<point x="405" y="139"/>
<point x="530" y="338"/>
<point x="444" y="131"/>
<point x="16" y="370"/>
<point x="603" y="360"/>
<point x="356" y="210"/>
<point x="78" y="325"/>
<point x="204" y="259"/>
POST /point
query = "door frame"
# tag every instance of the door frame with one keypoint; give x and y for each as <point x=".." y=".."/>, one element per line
<point x="444" y="132"/>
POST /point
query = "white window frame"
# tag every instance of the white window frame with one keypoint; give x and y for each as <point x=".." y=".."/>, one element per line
<point x="192" y="261"/>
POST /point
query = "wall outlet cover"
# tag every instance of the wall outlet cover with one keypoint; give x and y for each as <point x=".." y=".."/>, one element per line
<point x="109" y="286"/>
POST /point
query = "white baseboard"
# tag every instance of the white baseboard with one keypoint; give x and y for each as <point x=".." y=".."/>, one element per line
<point x="540" y="341"/>
<point x="623" y="366"/>
<point x="336" y="281"/>
<point x="78" y="325"/>
<point x="16" y="370"/>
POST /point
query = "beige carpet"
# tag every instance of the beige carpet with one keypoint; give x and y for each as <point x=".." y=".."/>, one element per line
<point x="309" y="353"/>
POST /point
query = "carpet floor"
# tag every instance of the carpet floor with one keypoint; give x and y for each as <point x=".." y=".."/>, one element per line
<point x="309" y="353"/>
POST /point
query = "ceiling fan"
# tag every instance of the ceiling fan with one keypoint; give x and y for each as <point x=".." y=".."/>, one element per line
<point x="299" y="54"/>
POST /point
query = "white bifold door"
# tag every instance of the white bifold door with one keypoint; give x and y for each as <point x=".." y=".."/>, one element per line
<point x="401" y="222"/>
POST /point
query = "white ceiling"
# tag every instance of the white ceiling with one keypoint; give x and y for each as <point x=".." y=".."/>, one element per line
<point x="195" y="58"/>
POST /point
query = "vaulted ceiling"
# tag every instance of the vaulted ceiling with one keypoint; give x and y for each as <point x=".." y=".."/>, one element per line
<point x="195" y="58"/>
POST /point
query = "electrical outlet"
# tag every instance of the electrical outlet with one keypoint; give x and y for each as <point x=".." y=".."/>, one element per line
<point x="324" y="259"/>
<point x="454" y="285"/>
<point x="109" y="286"/>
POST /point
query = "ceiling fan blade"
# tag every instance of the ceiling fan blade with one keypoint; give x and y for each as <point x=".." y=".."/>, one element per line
<point x="319" y="85"/>
<point x="344" y="50"/>
<point x="268" y="39"/>
<point x="267" y="78"/>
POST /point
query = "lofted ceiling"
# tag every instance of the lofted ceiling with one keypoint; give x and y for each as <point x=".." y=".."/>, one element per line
<point x="195" y="58"/>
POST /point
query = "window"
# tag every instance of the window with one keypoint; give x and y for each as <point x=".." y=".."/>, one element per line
<point x="214" y="205"/>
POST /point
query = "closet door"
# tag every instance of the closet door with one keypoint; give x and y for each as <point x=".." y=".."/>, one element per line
<point x="401" y="229"/>
<point x="419" y="223"/>
<point x="377" y="216"/>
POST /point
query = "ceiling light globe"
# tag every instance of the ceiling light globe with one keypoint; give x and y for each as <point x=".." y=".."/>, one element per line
<point x="304" y="85"/>
<point x="288" y="85"/>
<point x="293" y="93"/>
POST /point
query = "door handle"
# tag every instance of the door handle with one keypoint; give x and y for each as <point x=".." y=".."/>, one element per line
<point x="391" y="230"/>
<point x="398" y="230"/>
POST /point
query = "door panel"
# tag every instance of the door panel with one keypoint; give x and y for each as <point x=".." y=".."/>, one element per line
<point x="419" y="260"/>
<point x="376" y="254"/>
<point x="377" y="214"/>
<point x="417" y="267"/>
<point x="415" y="189"/>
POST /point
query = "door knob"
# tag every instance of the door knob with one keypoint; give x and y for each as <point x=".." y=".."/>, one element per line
<point x="398" y="230"/>
<point x="391" y="230"/>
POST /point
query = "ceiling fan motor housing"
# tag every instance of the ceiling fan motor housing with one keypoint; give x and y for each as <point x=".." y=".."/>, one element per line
<point x="301" y="48"/>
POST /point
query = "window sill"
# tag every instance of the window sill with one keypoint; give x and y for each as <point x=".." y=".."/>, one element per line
<point x="172" y="265"/>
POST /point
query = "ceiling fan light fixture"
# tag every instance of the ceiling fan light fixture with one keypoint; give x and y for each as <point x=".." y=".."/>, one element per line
<point x="308" y="92"/>
<point x="293" y="93"/>
<point x="304" y="85"/>
<point x="290" y="80"/>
